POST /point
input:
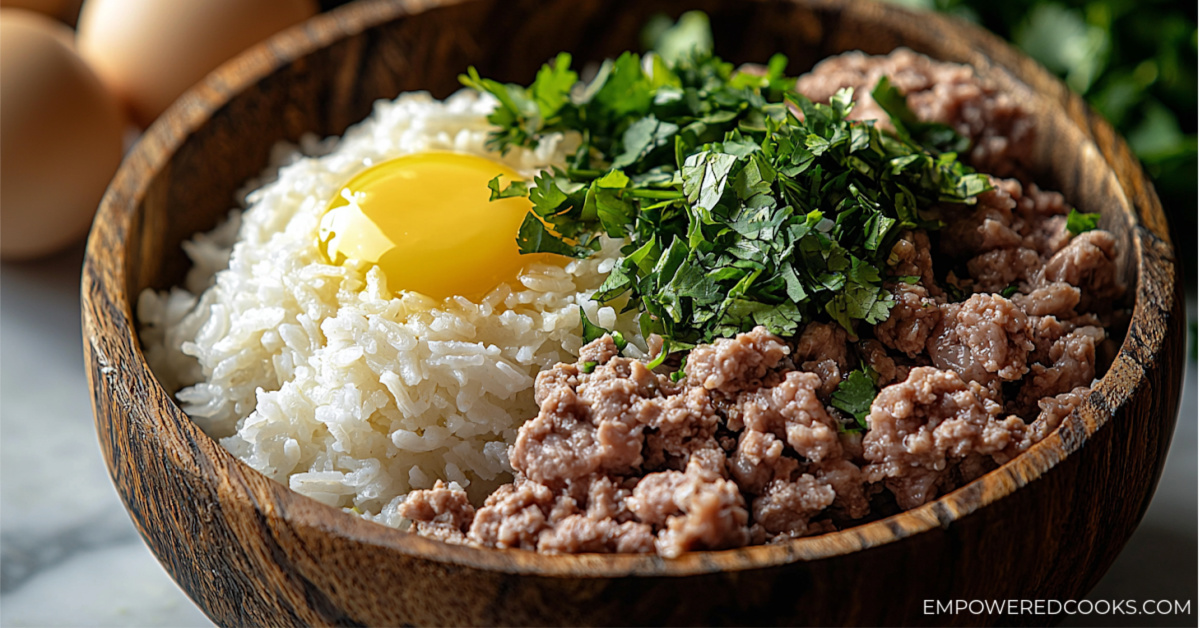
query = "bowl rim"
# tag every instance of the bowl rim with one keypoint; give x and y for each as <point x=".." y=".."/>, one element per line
<point x="121" y="202"/>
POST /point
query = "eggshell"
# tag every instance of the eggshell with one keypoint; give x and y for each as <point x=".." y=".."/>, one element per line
<point x="60" y="137"/>
<point x="149" y="53"/>
<point x="65" y="10"/>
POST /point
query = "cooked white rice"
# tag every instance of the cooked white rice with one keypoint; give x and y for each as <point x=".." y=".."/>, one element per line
<point x="319" y="376"/>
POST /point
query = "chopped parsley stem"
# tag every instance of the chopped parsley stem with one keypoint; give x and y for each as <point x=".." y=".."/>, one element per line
<point x="585" y="174"/>
<point x="658" y="194"/>
<point x="660" y="358"/>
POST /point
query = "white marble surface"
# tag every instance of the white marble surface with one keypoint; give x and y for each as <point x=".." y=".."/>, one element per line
<point x="70" y="557"/>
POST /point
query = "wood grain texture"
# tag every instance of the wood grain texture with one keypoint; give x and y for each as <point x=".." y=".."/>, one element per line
<point x="251" y="552"/>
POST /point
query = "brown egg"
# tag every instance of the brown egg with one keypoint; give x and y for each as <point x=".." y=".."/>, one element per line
<point x="149" y="53"/>
<point x="60" y="137"/>
<point x="65" y="10"/>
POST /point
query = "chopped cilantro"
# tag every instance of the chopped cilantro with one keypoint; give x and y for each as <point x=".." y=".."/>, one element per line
<point x="591" y="331"/>
<point x="619" y="340"/>
<point x="855" y="394"/>
<point x="658" y="359"/>
<point x="939" y="137"/>
<point x="737" y="210"/>
<point x="679" y="375"/>
<point x="1009" y="291"/>
<point x="1078" y="222"/>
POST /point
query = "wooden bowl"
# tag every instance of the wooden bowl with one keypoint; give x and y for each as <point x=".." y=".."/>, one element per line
<point x="249" y="551"/>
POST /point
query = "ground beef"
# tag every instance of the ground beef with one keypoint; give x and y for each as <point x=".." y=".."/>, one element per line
<point x="576" y="534"/>
<point x="822" y="341"/>
<point x="983" y="338"/>
<point x="682" y="425"/>
<point x="731" y="365"/>
<point x="849" y="486"/>
<point x="921" y="426"/>
<point x="759" y="459"/>
<point x="1000" y="129"/>
<point x="1053" y="299"/>
<point x="621" y="459"/>
<point x="1008" y="236"/>
<point x="442" y="513"/>
<point x="594" y="423"/>
<point x="785" y="508"/>
<point x="561" y="442"/>
<point x="790" y="473"/>
<point x="889" y="369"/>
<point x="1053" y="411"/>
<point x="1088" y="262"/>
<point x="972" y="370"/>
<point x="793" y="412"/>
<point x="1048" y="236"/>
<point x="912" y="319"/>
<point x="700" y="510"/>
<point x="911" y="256"/>
<point x="822" y="349"/>
<point x="987" y="227"/>
<point x="1070" y="364"/>
<point x="512" y="517"/>
<point x="996" y="270"/>
<point x="1035" y="204"/>
<point x="1045" y="331"/>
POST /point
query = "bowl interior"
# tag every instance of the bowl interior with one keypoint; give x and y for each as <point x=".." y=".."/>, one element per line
<point x="374" y="51"/>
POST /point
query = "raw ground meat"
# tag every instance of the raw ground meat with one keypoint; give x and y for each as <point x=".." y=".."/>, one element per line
<point x="1000" y="130"/>
<point x="924" y="425"/>
<point x="982" y="339"/>
<point x="821" y="349"/>
<point x="688" y="492"/>
<point x="731" y="365"/>
<point x="990" y="345"/>
<point x="913" y="257"/>
<point x="911" y="321"/>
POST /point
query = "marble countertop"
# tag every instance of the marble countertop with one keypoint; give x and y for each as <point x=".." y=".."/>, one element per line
<point x="69" y="555"/>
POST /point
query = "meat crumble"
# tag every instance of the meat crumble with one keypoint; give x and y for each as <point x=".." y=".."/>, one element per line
<point x="984" y="354"/>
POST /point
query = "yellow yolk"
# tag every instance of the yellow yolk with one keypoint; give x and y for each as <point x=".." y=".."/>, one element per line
<point x="426" y="221"/>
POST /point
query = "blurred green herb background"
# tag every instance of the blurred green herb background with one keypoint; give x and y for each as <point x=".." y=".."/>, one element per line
<point x="1134" y="61"/>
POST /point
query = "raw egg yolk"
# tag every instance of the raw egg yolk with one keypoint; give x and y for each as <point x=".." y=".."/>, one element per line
<point x="426" y="221"/>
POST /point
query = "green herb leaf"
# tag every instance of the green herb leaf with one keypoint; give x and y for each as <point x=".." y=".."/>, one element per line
<point x="855" y="395"/>
<point x="642" y="137"/>
<point x="535" y="238"/>
<point x="552" y="87"/>
<point x="1079" y="222"/>
<point x="932" y="134"/>
<point x="660" y="358"/>
<point x="736" y="212"/>
<point x="591" y="331"/>
<point x="705" y="176"/>
<point x="680" y="374"/>
<point x="514" y="189"/>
